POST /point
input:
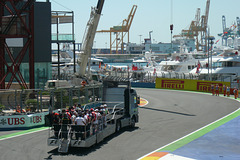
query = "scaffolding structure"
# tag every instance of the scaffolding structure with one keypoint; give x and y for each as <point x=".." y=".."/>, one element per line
<point x="17" y="21"/>
<point x="58" y="18"/>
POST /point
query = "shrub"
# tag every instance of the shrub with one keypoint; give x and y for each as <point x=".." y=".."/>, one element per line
<point x="2" y="107"/>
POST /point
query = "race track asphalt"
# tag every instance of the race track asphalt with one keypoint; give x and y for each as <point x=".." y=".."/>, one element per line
<point x="168" y="116"/>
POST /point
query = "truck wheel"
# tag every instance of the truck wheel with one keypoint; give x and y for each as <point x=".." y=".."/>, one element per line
<point x="118" y="126"/>
<point x="133" y="122"/>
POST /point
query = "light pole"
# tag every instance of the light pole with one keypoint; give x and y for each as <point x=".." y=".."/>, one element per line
<point x="211" y="38"/>
<point x="208" y="51"/>
<point x="140" y="38"/>
<point x="150" y="32"/>
<point x="171" y="29"/>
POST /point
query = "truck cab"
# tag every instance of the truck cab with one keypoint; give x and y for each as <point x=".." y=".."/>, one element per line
<point x="119" y="90"/>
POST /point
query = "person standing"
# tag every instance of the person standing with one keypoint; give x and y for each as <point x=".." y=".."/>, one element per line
<point x="235" y="91"/>
<point x="65" y="121"/>
<point x="217" y="90"/>
<point x="87" y="118"/>
<point x="80" y="122"/>
<point x="212" y="88"/>
<point x="74" y="116"/>
<point x="228" y="91"/>
<point x="224" y="90"/>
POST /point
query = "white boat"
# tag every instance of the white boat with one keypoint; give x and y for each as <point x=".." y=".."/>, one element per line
<point x="140" y="60"/>
<point x="180" y="63"/>
<point x="96" y="65"/>
<point x="67" y="66"/>
<point x="223" y="69"/>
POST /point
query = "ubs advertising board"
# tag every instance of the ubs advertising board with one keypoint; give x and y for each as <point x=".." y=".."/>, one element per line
<point x="189" y="84"/>
<point x="22" y="121"/>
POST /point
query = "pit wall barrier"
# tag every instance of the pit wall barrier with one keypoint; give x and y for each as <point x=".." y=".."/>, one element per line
<point x="189" y="84"/>
<point x="22" y="121"/>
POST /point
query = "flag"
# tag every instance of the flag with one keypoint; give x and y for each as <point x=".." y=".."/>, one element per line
<point x="198" y="67"/>
<point x="217" y="41"/>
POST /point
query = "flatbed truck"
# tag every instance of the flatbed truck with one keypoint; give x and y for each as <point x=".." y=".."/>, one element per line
<point x="122" y="103"/>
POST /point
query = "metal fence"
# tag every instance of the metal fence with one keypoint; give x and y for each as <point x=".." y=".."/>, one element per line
<point x="32" y="101"/>
<point x="146" y="76"/>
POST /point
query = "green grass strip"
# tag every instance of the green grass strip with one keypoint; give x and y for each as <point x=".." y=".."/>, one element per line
<point x="185" y="140"/>
<point x="22" y="132"/>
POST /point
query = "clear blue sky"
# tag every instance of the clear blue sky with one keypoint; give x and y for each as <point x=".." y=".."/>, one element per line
<point x="151" y="15"/>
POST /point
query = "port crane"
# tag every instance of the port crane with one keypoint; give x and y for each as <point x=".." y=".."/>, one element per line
<point x="120" y="31"/>
<point x="231" y="31"/>
<point x="198" y="29"/>
<point x="238" y="25"/>
<point x="89" y="35"/>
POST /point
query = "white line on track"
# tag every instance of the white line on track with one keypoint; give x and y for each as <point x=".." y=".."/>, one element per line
<point x="22" y="134"/>
<point x="192" y="132"/>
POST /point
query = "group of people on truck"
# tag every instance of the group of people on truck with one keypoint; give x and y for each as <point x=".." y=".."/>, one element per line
<point x="84" y="122"/>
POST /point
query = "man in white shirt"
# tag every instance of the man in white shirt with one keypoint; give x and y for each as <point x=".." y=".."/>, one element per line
<point x="74" y="116"/>
<point x="80" y="121"/>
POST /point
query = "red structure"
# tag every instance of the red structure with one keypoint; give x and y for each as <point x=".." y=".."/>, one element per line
<point x="17" y="21"/>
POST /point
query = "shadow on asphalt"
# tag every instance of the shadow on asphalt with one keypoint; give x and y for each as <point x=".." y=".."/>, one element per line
<point x="160" y="110"/>
<point x="85" y="151"/>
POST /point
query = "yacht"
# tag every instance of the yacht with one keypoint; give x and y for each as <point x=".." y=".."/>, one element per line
<point x="223" y="69"/>
<point x="139" y="60"/>
<point x="180" y="63"/>
<point x="96" y="65"/>
<point x="67" y="65"/>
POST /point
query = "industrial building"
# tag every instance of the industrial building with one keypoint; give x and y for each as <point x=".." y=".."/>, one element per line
<point x="161" y="48"/>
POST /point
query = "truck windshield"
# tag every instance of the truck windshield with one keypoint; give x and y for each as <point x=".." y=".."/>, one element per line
<point x="51" y="84"/>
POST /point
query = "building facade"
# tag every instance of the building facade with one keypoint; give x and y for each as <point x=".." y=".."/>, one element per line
<point x="160" y="48"/>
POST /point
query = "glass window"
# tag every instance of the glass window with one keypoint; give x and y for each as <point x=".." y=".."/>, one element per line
<point x="51" y="85"/>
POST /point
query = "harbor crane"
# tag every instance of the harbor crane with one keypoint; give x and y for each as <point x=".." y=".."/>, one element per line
<point x="89" y="35"/>
<point x="198" y="29"/>
<point x="204" y="25"/>
<point x="120" y="31"/>
<point x="238" y="25"/>
<point x="224" y="35"/>
<point x="229" y="32"/>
